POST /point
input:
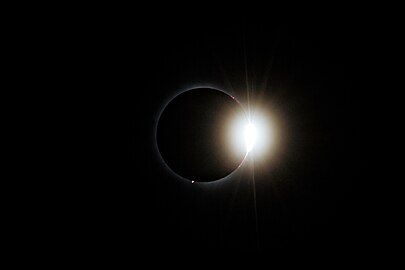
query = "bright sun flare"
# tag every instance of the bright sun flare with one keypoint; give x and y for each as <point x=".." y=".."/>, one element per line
<point x="250" y="136"/>
<point x="256" y="134"/>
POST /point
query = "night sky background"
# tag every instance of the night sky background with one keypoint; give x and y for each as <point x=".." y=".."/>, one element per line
<point x="315" y="194"/>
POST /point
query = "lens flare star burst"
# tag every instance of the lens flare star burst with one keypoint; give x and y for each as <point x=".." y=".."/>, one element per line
<point x="250" y="136"/>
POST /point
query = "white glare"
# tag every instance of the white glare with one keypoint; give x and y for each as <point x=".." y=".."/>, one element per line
<point x="250" y="136"/>
<point x="257" y="134"/>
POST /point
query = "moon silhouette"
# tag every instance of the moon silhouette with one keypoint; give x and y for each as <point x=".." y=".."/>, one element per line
<point x="193" y="135"/>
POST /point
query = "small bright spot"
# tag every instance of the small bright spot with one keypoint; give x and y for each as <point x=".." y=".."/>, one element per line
<point x="250" y="136"/>
<point x="192" y="182"/>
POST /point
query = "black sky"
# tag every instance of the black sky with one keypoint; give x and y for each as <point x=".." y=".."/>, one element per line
<point x="314" y="195"/>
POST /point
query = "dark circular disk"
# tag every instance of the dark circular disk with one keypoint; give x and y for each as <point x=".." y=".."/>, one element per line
<point x="193" y="134"/>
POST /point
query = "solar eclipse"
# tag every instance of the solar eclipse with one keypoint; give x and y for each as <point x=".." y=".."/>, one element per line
<point x="205" y="134"/>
